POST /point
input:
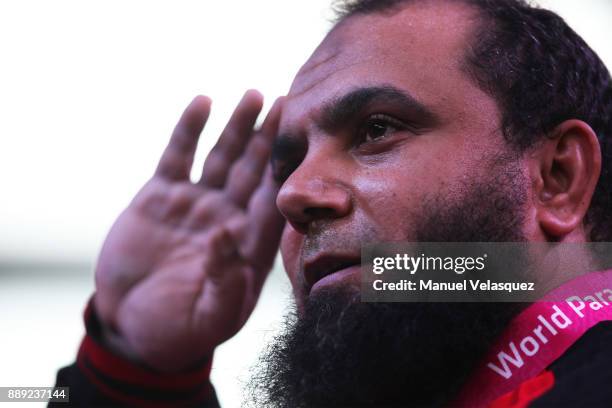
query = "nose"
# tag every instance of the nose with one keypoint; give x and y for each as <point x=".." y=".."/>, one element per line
<point x="314" y="192"/>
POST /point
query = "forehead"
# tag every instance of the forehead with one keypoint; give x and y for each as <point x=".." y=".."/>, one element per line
<point x="418" y="48"/>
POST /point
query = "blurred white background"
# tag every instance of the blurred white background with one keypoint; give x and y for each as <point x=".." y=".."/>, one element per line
<point x="89" y="92"/>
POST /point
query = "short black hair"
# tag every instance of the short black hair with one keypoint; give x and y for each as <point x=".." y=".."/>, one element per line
<point x="540" y="72"/>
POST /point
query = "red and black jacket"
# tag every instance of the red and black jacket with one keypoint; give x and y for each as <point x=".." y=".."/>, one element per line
<point x="581" y="377"/>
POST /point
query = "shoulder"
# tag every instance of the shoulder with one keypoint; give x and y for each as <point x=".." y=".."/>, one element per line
<point x="583" y="375"/>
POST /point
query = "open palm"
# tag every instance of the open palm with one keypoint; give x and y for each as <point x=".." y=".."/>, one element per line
<point x="183" y="265"/>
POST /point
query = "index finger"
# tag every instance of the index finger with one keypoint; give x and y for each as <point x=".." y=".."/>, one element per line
<point x="177" y="159"/>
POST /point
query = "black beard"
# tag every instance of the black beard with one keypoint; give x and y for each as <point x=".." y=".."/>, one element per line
<point x="343" y="353"/>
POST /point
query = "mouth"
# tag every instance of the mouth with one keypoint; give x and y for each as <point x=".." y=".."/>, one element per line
<point x="328" y="269"/>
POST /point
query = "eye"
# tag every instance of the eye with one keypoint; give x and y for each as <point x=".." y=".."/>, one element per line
<point x="377" y="127"/>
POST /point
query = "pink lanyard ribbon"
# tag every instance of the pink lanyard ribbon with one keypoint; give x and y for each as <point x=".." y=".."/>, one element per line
<point x="538" y="336"/>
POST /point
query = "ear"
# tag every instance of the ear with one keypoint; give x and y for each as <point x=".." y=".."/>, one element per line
<point x="567" y="167"/>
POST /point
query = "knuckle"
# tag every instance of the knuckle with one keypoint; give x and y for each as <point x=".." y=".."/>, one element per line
<point x="260" y="147"/>
<point x="239" y="172"/>
<point x="214" y="163"/>
<point x="229" y="143"/>
<point x="152" y="204"/>
<point x="180" y="199"/>
<point x="204" y="208"/>
<point x="244" y="172"/>
<point x="214" y="172"/>
<point x="172" y="164"/>
<point x="222" y="244"/>
<point x="212" y="208"/>
<point x="182" y="142"/>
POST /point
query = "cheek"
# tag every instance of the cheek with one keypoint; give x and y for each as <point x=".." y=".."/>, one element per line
<point x="290" y="247"/>
<point x="391" y="212"/>
<point x="393" y="198"/>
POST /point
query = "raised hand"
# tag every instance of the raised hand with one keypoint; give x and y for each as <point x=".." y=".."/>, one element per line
<point x="182" y="267"/>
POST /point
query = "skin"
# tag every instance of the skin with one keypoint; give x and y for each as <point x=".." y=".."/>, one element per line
<point x="181" y="269"/>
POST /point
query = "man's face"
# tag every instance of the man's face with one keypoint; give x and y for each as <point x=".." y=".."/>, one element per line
<point x="379" y="124"/>
<point x="384" y="138"/>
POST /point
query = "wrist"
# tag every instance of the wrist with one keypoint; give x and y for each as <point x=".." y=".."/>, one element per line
<point x="106" y="336"/>
<point x="130" y="381"/>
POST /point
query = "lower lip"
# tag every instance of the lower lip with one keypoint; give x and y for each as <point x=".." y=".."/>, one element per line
<point x="351" y="273"/>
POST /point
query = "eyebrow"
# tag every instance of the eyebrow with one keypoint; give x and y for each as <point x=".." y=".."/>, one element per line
<point x="339" y="111"/>
<point x="289" y="148"/>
